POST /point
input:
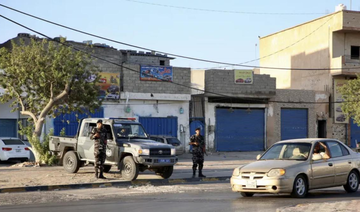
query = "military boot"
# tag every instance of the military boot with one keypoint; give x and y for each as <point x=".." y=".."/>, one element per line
<point x="96" y="173"/>
<point x="101" y="176"/>
<point x="194" y="172"/>
<point x="200" y="171"/>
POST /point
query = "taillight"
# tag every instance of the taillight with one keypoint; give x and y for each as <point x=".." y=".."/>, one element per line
<point x="6" y="149"/>
<point x="27" y="149"/>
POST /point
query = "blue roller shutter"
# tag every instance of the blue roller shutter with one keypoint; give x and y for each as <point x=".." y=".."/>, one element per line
<point x="160" y="125"/>
<point x="240" y="129"/>
<point x="70" y="121"/>
<point x="354" y="133"/>
<point x="294" y="123"/>
<point x="8" y="128"/>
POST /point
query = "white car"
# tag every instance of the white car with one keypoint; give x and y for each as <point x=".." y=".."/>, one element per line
<point x="13" y="149"/>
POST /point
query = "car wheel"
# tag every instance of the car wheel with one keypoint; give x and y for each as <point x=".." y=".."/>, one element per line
<point x="129" y="169"/>
<point x="352" y="183"/>
<point x="107" y="168"/>
<point x="165" y="172"/>
<point x="71" y="162"/>
<point x="300" y="187"/>
<point x="246" y="194"/>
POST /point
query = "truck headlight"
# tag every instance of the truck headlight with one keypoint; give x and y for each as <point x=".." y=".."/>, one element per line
<point x="173" y="151"/>
<point x="144" y="152"/>
<point x="276" y="172"/>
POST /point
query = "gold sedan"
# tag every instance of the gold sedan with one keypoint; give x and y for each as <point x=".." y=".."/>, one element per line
<point x="297" y="166"/>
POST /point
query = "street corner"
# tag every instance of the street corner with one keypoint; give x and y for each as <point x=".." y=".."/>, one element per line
<point x="348" y="206"/>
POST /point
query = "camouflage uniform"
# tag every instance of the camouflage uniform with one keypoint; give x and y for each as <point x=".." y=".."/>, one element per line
<point x="198" y="152"/>
<point x="99" y="149"/>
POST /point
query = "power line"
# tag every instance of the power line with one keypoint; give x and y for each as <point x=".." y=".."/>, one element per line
<point x="222" y="11"/>
<point x="296" y="42"/>
<point x="176" y="55"/>
<point x="179" y="84"/>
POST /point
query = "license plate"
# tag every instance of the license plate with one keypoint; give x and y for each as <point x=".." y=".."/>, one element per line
<point x="164" y="160"/>
<point x="251" y="184"/>
<point x="18" y="150"/>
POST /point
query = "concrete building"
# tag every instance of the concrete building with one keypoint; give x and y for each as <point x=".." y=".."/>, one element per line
<point x="130" y="87"/>
<point x="250" y="116"/>
<point x="319" y="55"/>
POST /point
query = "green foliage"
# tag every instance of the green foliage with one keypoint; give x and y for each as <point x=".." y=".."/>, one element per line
<point x="351" y="94"/>
<point x="38" y="71"/>
<point x="42" y="148"/>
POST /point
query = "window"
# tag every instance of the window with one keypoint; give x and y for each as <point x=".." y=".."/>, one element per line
<point x="344" y="150"/>
<point x="162" y="62"/>
<point x="355" y="52"/>
<point x="335" y="149"/>
<point x="12" y="142"/>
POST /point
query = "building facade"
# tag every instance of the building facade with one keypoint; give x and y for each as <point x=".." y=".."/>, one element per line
<point x="319" y="55"/>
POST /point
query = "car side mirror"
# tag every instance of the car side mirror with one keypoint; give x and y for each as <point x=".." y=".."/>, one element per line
<point x="258" y="157"/>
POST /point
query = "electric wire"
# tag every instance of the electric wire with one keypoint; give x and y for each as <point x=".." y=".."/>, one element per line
<point x="176" y="55"/>
<point x="222" y="11"/>
<point x="179" y="84"/>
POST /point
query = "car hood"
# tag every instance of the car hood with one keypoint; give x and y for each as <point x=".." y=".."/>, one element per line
<point x="267" y="165"/>
<point x="146" y="143"/>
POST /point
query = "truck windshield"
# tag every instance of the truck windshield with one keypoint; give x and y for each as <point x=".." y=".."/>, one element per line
<point x="129" y="130"/>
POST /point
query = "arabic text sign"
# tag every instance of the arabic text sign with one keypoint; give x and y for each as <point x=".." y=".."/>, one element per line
<point x="243" y="77"/>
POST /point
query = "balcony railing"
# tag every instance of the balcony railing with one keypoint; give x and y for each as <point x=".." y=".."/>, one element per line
<point x="355" y="59"/>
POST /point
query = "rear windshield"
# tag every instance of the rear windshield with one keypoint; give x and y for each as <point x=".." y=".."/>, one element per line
<point x="173" y="141"/>
<point x="12" y="142"/>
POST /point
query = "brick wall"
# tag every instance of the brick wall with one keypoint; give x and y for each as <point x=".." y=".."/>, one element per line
<point x="223" y="81"/>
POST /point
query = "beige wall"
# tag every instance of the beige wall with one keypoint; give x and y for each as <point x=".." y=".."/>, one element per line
<point x="197" y="81"/>
<point x="305" y="46"/>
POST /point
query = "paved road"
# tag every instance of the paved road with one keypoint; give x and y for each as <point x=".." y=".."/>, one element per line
<point x="219" y="199"/>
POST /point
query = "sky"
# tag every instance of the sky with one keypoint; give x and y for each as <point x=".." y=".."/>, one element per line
<point x="230" y="37"/>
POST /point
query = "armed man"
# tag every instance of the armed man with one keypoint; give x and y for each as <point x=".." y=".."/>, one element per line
<point x="198" y="150"/>
<point x="99" y="135"/>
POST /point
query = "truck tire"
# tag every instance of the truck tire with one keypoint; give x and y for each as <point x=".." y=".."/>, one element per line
<point x="129" y="169"/>
<point x="107" y="168"/>
<point x="71" y="162"/>
<point x="165" y="172"/>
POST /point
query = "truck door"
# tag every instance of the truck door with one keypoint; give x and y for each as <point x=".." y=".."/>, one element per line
<point x="111" y="149"/>
<point x="85" y="144"/>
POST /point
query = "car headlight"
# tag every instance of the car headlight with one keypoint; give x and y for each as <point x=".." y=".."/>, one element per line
<point x="236" y="172"/>
<point x="173" y="151"/>
<point x="276" y="172"/>
<point x="144" y="152"/>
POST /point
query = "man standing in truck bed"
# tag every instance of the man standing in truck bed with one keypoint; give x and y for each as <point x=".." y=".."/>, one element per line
<point x="98" y="134"/>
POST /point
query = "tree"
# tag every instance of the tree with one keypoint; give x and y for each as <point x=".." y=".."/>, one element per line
<point x="351" y="94"/>
<point x="44" y="78"/>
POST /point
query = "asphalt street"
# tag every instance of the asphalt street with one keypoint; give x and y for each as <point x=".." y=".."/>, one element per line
<point x="219" y="199"/>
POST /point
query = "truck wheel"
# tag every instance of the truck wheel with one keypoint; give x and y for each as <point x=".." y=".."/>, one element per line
<point x="129" y="169"/>
<point x="107" y="168"/>
<point x="165" y="172"/>
<point x="71" y="162"/>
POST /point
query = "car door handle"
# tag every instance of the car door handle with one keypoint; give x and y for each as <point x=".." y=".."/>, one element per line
<point x="330" y="164"/>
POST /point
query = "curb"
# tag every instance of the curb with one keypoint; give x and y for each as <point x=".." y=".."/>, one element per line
<point x="113" y="184"/>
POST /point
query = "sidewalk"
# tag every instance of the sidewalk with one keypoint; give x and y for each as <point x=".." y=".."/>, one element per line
<point x="217" y="166"/>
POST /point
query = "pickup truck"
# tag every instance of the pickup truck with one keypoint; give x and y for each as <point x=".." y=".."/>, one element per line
<point x="128" y="148"/>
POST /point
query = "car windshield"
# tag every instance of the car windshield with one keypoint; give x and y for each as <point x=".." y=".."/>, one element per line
<point x="288" y="151"/>
<point x="12" y="142"/>
<point x="174" y="141"/>
<point x="129" y="130"/>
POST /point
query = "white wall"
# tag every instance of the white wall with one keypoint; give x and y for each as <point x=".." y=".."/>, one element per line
<point x="5" y="112"/>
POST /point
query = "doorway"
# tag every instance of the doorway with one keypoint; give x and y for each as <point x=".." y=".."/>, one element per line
<point x="321" y="128"/>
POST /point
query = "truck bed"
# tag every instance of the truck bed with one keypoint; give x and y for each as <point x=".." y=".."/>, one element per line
<point x="55" y="141"/>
